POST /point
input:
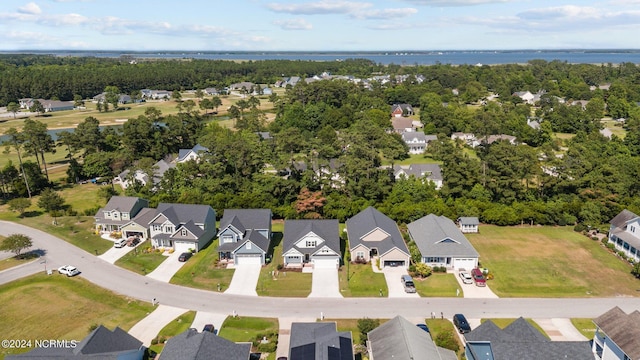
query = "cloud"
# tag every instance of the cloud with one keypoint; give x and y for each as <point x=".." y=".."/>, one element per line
<point x="385" y="13"/>
<point x="42" y="40"/>
<point x="293" y="24"/>
<point x="322" y="7"/>
<point x="450" y="3"/>
<point x="30" y="8"/>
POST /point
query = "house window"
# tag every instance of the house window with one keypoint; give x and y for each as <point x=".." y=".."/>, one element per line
<point x="168" y="229"/>
<point x="248" y="246"/>
<point x="157" y="227"/>
<point x="360" y="255"/>
<point x="632" y="229"/>
<point x="311" y="243"/>
<point x="227" y="238"/>
<point x="184" y="232"/>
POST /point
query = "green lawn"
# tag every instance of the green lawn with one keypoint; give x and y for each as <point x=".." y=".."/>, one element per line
<point x="545" y="261"/>
<point x="202" y="272"/>
<point x="437" y="285"/>
<point x="142" y="260"/>
<point x="361" y="282"/>
<point x="586" y="327"/>
<point x="504" y="322"/>
<point x="251" y="329"/>
<point x="282" y="283"/>
<point x="437" y="326"/>
<point x="14" y="261"/>
<point x="175" y="327"/>
<point x="413" y="159"/>
<point x="57" y="307"/>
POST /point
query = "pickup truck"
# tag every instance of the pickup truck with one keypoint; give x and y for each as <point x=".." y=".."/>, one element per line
<point x="409" y="286"/>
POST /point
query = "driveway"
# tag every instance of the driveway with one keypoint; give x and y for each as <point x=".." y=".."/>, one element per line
<point x="396" y="288"/>
<point x="112" y="255"/>
<point x="325" y="283"/>
<point x="245" y="280"/>
<point x="202" y="318"/>
<point x="560" y="329"/>
<point x="165" y="271"/>
<point x="471" y="291"/>
<point x="149" y="327"/>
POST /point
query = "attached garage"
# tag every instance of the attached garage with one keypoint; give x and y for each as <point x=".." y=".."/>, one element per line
<point x="393" y="263"/>
<point x="183" y="246"/>
<point x="326" y="262"/>
<point x="464" y="263"/>
<point x="394" y="257"/>
<point x="246" y="259"/>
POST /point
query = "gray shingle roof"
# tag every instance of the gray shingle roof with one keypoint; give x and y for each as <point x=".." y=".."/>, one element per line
<point x="620" y="220"/>
<point x="430" y="171"/>
<point x="319" y="341"/>
<point x="294" y="230"/>
<point x="469" y="220"/>
<point x="144" y="216"/>
<point x="192" y="345"/>
<point x="182" y="213"/>
<point x="439" y="236"/>
<point x="400" y="339"/>
<point x="368" y="220"/>
<point x="247" y="218"/>
<point x="520" y="340"/>
<point x="622" y="329"/>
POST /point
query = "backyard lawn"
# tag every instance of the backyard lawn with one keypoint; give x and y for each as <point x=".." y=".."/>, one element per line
<point x="142" y="261"/>
<point x="57" y="307"/>
<point x="202" y="272"/>
<point x="282" y="283"/>
<point x="175" y="327"/>
<point x="437" y="285"/>
<point x="359" y="280"/>
<point x="251" y="329"/>
<point x="545" y="261"/>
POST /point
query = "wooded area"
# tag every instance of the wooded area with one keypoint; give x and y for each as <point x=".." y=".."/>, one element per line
<point x="330" y="138"/>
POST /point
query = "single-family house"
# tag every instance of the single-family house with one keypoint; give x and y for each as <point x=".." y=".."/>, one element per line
<point x="520" y="340"/>
<point x="467" y="138"/>
<point x="194" y="345"/>
<point x="402" y="124"/>
<point x="468" y="224"/>
<point x="373" y="234"/>
<point x="581" y="103"/>
<point x="139" y="225"/>
<point x="267" y="91"/>
<point x="502" y="137"/>
<point x="319" y="341"/>
<point x="624" y="233"/>
<point x="416" y="141"/>
<point x="400" y="339"/>
<point x="617" y="335"/>
<point x="398" y="110"/>
<point x="118" y="211"/>
<point x="194" y="153"/>
<point x="125" y="179"/>
<point x="533" y="123"/>
<point x="122" y="98"/>
<point x="245" y="235"/>
<point x="101" y="343"/>
<point x="429" y="172"/>
<point x="441" y="243"/>
<point x="264" y="135"/>
<point x="314" y="242"/>
<point x="48" y="105"/>
<point x="525" y="96"/>
<point x="606" y="132"/>
<point x="211" y="91"/>
<point x="155" y="94"/>
<point x="244" y="85"/>
<point x="182" y="227"/>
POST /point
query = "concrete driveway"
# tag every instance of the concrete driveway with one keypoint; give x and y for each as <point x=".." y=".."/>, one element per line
<point x="245" y="280"/>
<point x="203" y="318"/>
<point x="165" y="271"/>
<point x="149" y="327"/>
<point x="560" y="329"/>
<point x="112" y="255"/>
<point x="325" y="283"/>
<point x="471" y="291"/>
<point x="396" y="288"/>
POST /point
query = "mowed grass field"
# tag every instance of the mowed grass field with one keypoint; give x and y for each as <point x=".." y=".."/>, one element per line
<point x="550" y="262"/>
<point x="57" y="307"/>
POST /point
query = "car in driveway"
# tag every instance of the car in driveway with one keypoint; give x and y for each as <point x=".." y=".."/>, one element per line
<point x="466" y="277"/>
<point x="478" y="277"/>
<point x="209" y="328"/>
<point x="68" y="270"/>
<point x="407" y="282"/>
<point x="184" y="256"/>
<point x="461" y="323"/>
<point x="423" y="327"/>
<point x="120" y="243"/>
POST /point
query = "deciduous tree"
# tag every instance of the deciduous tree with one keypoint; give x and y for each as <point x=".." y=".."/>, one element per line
<point x="16" y="243"/>
<point x="19" y="205"/>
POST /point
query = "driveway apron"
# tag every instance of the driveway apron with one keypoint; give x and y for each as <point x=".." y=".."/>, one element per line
<point x="396" y="288"/>
<point x="112" y="255"/>
<point x="149" y="327"/>
<point x="203" y="318"/>
<point x="560" y="329"/>
<point x="325" y="283"/>
<point x="169" y="267"/>
<point x="471" y="291"/>
<point x="245" y="280"/>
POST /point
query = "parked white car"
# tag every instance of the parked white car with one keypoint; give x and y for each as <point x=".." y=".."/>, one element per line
<point x="120" y="243"/>
<point x="466" y="277"/>
<point x="68" y="270"/>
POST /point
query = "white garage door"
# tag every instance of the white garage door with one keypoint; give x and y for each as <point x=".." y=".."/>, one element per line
<point x="183" y="246"/>
<point x="467" y="264"/>
<point x="248" y="259"/>
<point x="326" y="263"/>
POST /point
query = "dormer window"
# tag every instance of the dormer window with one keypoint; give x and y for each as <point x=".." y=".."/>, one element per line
<point x="184" y="232"/>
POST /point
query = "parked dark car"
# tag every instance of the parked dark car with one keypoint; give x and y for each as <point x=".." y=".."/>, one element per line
<point x="209" y="328"/>
<point x="423" y="327"/>
<point x="133" y="241"/>
<point x="460" y="322"/>
<point x="184" y="256"/>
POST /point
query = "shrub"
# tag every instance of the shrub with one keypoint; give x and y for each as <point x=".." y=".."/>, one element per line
<point x="579" y="228"/>
<point x="594" y="238"/>
<point x="93" y="327"/>
<point x="446" y="340"/>
<point x="610" y="246"/>
<point x="365" y="325"/>
<point x="622" y="254"/>
<point x="280" y="267"/>
<point x="604" y="241"/>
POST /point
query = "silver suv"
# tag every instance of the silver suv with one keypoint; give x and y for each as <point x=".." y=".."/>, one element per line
<point x="409" y="286"/>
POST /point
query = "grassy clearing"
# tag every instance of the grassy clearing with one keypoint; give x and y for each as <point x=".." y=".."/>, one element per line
<point x="175" y="327"/>
<point x="15" y="261"/>
<point x="58" y="307"/>
<point x="438" y="326"/>
<point x="361" y="282"/>
<point x="142" y="261"/>
<point x="202" y="272"/>
<point x="282" y="283"/>
<point x="251" y="329"/>
<point x="586" y="327"/>
<point x="544" y="261"/>
<point x="504" y="322"/>
<point x="414" y="159"/>
<point x="437" y="285"/>
<point x="615" y="127"/>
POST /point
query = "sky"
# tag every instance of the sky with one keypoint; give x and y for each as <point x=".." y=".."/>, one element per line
<point x="318" y="25"/>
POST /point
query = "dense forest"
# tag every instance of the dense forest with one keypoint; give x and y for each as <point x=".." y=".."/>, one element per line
<point x="330" y="138"/>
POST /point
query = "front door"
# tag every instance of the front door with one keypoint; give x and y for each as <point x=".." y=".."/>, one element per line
<point x="306" y="257"/>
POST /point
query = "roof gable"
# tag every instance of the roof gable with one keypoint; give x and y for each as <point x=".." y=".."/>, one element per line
<point x="366" y="228"/>
<point x="431" y="233"/>
<point x="622" y="329"/>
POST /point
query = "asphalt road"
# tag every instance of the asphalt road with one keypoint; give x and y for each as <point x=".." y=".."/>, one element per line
<point x="58" y="253"/>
